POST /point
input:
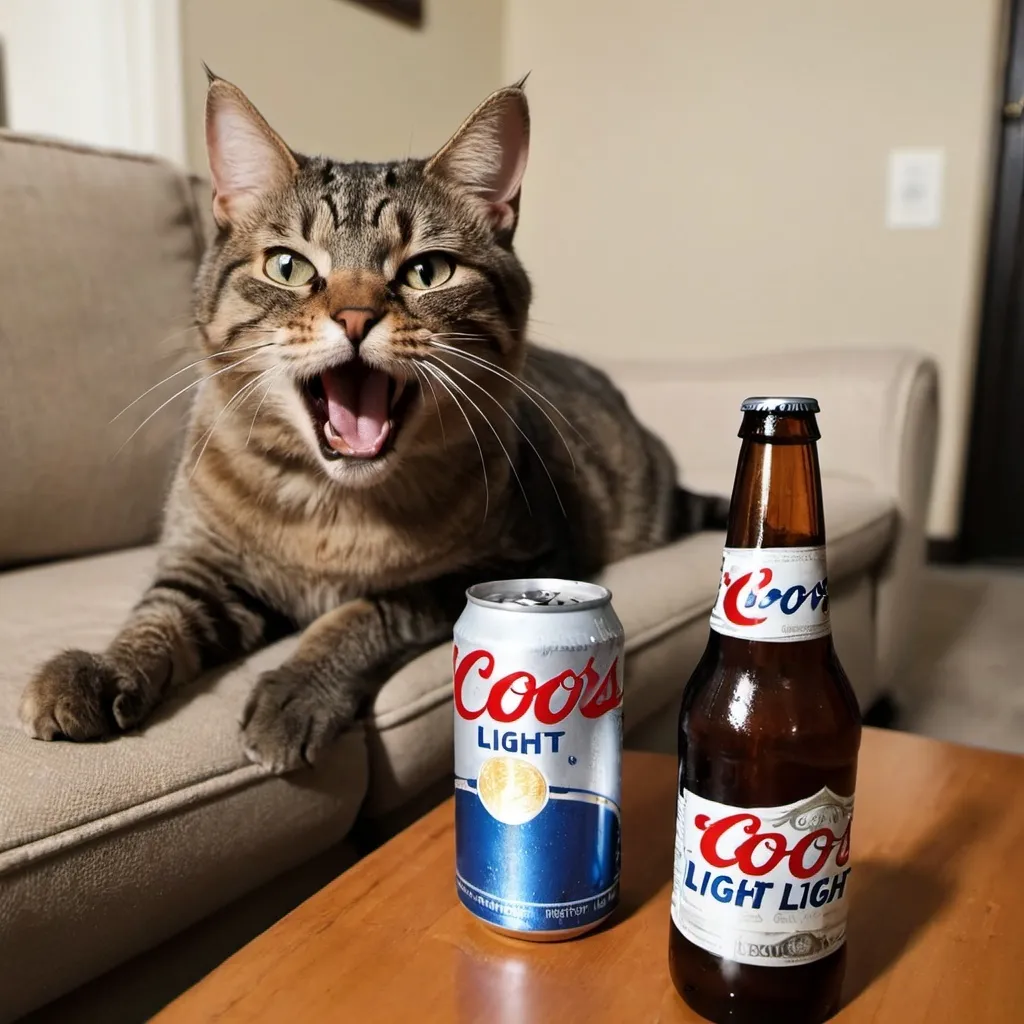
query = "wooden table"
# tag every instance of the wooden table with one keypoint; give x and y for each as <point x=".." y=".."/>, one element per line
<point x="936" y="923"/>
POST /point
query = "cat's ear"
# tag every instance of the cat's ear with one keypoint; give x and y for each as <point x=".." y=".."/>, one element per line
<point x="487" y="155"/>
<point x="248" y="158"/>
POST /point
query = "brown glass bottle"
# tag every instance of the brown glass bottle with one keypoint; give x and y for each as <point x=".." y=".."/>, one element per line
<point x="766" y="723"/>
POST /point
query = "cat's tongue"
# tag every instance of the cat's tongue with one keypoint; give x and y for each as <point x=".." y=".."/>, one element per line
<point x="357" y="408"/>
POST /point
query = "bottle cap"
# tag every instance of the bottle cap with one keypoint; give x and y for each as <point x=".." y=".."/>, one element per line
<point x="780" y="405"/>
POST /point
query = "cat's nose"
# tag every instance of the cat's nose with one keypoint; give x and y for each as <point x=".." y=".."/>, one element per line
<point x="356" y="322"/>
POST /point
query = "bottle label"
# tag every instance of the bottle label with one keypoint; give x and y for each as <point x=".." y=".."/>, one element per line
<point x="763" y="885"/>
<point x="779" y="595"/>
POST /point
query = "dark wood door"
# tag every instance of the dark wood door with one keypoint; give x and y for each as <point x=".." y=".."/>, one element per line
<point x="993" y="511"/>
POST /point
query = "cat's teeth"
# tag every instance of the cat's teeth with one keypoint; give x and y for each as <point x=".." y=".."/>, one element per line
<point x="335" y="440"/>
<point x="399" y="388"/>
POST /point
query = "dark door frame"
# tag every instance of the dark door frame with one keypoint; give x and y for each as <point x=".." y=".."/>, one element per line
<point x="997" y="416"/>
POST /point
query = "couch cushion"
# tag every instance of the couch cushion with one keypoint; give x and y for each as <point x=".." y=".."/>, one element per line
<point x="94" y="310"/>
<point x="106" y="849"/>
<point x="658" y="597"/>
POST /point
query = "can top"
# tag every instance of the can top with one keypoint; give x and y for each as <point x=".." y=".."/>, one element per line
<point x="779" y="405"/>
<point x="539" y="595"/>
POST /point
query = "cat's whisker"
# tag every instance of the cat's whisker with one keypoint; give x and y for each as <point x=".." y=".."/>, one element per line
<point x="459" y="336"/>
<point x="518" y="382"/>
<point x="270" y="384"/>
<point x="178" y="373"/>
<point x="246" y="389"/>
<point x="529" y="392"/>
<point x="206" y="433"/>
<point x="434" y="372"/>
<point x="437" y="405"/>
<point x="163" y="342"/>
<point x="177" y="394"/>
<point x="497" y="368"/>
<point x="493" y="430"/>
<point x="508" y="374"/>
<point x="466" y="336"/>
<point x="247" y="385"/>
<point x="525" y="436"/>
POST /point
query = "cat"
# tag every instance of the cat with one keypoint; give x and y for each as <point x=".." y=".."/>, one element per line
<point x="373" y="433"/>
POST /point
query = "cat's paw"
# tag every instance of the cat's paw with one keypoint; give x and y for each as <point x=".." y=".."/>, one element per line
<point x="78" y="696"/>
<point x="288" y="723"/>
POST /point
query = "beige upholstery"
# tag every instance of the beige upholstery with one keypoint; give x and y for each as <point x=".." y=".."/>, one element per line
<point x="106" y="849"/>
<point x="146" y="835"/>
<point x="94" y="307"/>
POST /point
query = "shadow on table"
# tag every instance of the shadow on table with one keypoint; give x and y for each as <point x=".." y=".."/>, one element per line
<point x="894" y="901"/>
<point x="648" y="832"/>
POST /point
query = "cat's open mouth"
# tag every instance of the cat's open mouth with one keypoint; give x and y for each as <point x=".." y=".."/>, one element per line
<point x="356" y="409"/>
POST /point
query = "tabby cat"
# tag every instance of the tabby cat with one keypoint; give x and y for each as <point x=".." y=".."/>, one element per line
<point x="373" y="433"/>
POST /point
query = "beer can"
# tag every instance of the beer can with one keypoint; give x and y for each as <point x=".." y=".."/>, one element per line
<point x="538" y="674"/>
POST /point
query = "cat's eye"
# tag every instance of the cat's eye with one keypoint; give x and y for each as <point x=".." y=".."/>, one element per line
<point x="289" y="268"/>
<point x="427" y="271"/>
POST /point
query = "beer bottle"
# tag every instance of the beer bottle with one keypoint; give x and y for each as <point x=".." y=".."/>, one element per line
<point x="768" y="736"/>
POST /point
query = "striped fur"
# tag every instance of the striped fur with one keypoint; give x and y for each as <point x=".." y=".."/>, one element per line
<point x="508" y="459"/>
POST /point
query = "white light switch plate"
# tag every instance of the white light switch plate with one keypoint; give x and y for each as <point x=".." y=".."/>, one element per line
<point x="915" y="188"/>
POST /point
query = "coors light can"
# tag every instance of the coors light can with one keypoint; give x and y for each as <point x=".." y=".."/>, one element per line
<point x="538" y="756"/>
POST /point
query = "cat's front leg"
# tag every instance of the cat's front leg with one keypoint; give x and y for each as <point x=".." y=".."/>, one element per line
<point x="295" y="711"/>
<point x="191" y="618"/>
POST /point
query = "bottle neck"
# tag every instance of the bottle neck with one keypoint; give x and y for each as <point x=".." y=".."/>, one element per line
<point x="776" y="499"/>
<point x="776" y="503"/>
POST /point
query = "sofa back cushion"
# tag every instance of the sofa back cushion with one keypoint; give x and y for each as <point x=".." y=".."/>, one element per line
<point x="99" y="253"/>
<point x="868" y="416"/>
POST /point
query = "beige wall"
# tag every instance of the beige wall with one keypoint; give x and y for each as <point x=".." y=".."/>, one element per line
<point x="708" y="178"/>
<point x="334" y="77"/>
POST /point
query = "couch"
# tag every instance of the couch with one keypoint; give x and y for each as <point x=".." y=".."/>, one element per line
<point x="108" y="849"/>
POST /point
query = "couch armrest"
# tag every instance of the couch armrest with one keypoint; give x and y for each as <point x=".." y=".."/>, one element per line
<point x="879" y="423"/>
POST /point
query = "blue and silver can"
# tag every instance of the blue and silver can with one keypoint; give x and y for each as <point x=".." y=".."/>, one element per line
<point x="538" y="674"/>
